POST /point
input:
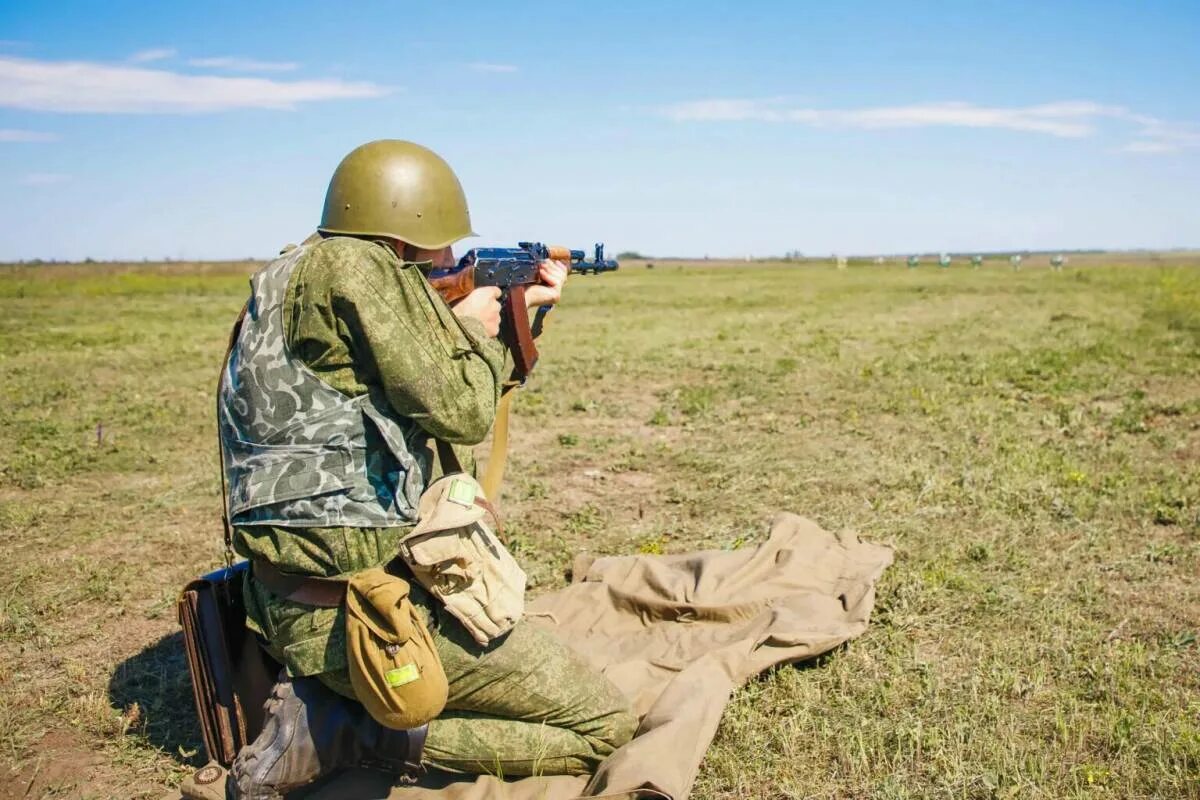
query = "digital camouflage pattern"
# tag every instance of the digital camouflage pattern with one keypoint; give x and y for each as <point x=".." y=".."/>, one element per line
<point x="525" y="704"/>
<point x="368" y="325"/>
<point x="365" y="325"/>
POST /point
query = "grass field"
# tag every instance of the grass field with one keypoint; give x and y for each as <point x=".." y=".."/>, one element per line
<point x="1029" y="442"/>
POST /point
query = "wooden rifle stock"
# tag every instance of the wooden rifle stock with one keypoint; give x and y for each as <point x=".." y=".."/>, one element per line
<point x="454" y="286"/>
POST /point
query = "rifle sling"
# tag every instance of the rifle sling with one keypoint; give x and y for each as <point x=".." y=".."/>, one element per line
<point x="494" y="474"/>
<point x="516" y="332"/>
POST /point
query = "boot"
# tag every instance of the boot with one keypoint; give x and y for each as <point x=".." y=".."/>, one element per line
<point x="308" y="732"/>
<point x="206" y="783"/>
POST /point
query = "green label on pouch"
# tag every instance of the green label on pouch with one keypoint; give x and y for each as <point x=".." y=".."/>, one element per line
<point x="402" y="675"/>
<point x="462" y="492"/>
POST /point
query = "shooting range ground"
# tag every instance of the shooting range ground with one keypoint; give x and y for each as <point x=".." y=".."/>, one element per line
<point x="1029" y="441"/>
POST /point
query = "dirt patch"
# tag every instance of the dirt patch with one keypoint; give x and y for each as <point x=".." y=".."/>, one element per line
<point x="62" y="767"/>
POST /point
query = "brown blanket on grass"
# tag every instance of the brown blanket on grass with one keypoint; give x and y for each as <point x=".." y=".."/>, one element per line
<point x="677" y="634"/>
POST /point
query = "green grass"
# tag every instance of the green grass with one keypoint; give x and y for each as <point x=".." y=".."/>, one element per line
<point x="1029" y="441"/>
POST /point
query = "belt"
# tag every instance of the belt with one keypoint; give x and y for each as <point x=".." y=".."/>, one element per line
<point x="305" y="589"/>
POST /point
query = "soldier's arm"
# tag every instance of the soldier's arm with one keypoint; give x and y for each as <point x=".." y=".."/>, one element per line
<point x="441" y="371"/>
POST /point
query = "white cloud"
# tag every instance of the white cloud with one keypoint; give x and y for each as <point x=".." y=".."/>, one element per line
<point x="1149" y="148"/>
<point x="89" y="87"/>
<point x="1157" y="136"/>
<point x="1057" y="119"/>
<point x="18" y="135"/>
<point x="243" y="64"/>
<point x="153" y="54"/>
<point x="483" y="66"/>
<point x="44" y="179"/>
<point x="1073" y="119"/>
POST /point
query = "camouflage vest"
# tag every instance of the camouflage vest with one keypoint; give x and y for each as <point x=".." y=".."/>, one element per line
<point x="298" y="452"/>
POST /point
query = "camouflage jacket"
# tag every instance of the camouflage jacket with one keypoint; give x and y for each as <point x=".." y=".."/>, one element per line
<point x="298" y="452"/>
<point x="394" y="365"/>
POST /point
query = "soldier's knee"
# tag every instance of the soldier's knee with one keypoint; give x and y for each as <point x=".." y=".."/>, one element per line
<point x="618" y="728"/>
<point x="625" y="725"/>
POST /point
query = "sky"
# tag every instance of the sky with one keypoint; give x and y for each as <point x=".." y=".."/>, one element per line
<point x="133" y="130"/>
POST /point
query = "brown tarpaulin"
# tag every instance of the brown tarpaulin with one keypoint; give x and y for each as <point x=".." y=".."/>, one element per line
<point x="678" y="634"/>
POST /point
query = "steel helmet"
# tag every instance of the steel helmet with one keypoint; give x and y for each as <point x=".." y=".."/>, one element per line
<point x="400" y="190"/>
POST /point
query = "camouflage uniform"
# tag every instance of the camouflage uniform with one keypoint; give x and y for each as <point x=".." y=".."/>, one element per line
<point x="346" y="365"/>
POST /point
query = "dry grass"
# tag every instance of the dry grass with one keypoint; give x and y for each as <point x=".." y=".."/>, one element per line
<point x="1028" y="441"/>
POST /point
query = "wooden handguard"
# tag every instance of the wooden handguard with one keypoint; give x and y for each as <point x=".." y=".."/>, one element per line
<point x="454" y="286"/>
<point x="557" y="253"/>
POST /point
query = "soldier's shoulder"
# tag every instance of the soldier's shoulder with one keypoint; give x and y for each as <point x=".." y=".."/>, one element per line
<point x="339" y="250"/>
<point x="343" y="266"/>
<point x="327" y="259"/>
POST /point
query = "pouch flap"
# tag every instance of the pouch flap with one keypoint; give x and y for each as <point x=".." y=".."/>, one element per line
<point x="375" y="599"/>
<point x="450" y="502"/>
<point x="438" y="548"/>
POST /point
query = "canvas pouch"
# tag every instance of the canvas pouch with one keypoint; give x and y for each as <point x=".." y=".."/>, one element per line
<point x="394" y="668"/>
<point x="459" y="558"/>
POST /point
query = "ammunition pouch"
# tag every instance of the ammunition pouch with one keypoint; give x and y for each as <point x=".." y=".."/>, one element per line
<point x="393" y="665"/>
<point x="462" y="562"/>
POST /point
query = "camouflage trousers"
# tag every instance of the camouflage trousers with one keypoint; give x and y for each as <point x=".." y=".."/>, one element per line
<point x="525" y="704"/>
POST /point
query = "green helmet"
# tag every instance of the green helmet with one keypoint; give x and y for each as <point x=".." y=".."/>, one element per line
<point x="399" y="190"/>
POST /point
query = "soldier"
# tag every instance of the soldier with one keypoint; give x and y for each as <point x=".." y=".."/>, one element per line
<point x="348" y="371"/>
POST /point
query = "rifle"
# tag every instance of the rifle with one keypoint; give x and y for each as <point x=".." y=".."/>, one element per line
<point x="512" y="269"/>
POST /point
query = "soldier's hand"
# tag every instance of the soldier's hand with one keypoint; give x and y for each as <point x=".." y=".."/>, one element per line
<point x="482" y="304"/>
<point x="552" y="275"/>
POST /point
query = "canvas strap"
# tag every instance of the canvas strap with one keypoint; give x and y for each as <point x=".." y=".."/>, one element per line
<point x="493" y="476"/>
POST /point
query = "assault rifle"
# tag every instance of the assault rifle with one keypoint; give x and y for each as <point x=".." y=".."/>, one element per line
<point x="512" y="269"/>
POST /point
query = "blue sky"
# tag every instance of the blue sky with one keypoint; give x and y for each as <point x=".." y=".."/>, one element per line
<point x="209" y="130"/>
